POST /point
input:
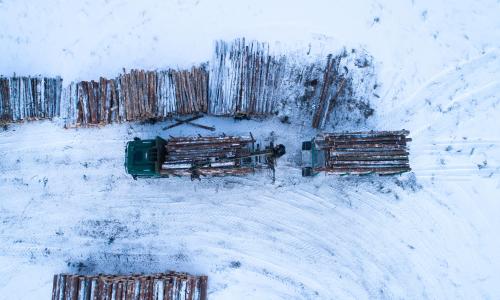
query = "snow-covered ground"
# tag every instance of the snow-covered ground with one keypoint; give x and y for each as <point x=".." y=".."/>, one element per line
<point x="66" y="204"/>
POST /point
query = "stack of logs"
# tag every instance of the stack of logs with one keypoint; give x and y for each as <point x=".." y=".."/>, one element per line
<point x="136" y="96"/>
<point x="383" y="152"/>
<point x="29" y="98"/>
<point x="331" y="87"/>
<point x="163" y="286"/>
<point x="242" y="79"/>
<point x="245" y="79"/>
<point x="206" y="155"/>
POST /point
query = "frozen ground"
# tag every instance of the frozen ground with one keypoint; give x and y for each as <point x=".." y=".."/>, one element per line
<point x="66" y="204"/>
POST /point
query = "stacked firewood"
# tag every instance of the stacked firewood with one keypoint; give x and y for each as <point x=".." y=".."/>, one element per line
<point x="163" y="286"/>
<point x="29" y="98"/>
<point x="383" y="152"/>
<point x="137" y="95"/>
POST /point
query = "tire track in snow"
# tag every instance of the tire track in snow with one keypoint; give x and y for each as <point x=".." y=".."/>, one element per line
<point x="489" y="58"/>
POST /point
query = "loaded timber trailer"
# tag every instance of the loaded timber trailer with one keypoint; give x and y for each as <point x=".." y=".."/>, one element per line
<point x="382" y="152"/>
<point x="199" y="156"/>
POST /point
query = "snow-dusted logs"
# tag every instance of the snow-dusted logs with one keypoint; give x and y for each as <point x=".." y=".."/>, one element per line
<point x="134" y="96"/>
<point x="191" y="91"/>
<point x="383" y="152"/>
<point x="164" y="286"/>
<point x="244" y="79"/>
<point x="331" y="86"/>
<point x="137" y="95"/>
<point x="247" y="79"/>
<point x="29" y="98"/>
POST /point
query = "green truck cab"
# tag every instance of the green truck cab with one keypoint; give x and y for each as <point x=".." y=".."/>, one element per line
<point x="312" y="158"/>
<point x="143" y="158"/>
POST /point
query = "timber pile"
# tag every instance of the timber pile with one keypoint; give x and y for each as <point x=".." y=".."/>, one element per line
<point x="163" y="286"/>
<point x="244" y="79"/>
<point x="383" y="152"/>
<point x="136" y="96"/>
<point x="206" y="155"/>
<point x="213" y="156"/>
<point x="331" y="86"/>
<point x="29" y="98"/>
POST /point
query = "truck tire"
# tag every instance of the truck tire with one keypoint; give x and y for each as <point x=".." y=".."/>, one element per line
<point x="307" y="171"/>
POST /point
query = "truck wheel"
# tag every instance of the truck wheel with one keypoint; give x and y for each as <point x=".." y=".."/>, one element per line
<point x="306" y="172"/>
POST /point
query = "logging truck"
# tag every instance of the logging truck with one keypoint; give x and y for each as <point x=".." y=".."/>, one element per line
<point x="355" y="153"/>
<point x="199" y="156"/>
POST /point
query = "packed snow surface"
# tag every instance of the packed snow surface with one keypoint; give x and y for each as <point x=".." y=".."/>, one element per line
<point x="66" y="204"/>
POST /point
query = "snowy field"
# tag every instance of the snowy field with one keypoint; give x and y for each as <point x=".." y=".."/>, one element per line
<point x="66" y="204"/>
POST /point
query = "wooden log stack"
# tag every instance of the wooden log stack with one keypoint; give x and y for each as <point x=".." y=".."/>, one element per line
<point x="247" y="79"/>
<point x="136" y="96"/>
<point x="29" y="98"/>
<point x="244" y="79"/>
<point x="163" y="286"/>
<point x="331" y="87"/>
<point x="207" y="156"/>
<point x="383" y="152"/>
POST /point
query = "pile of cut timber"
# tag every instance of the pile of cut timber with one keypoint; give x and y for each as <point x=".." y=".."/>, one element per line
<point x="244" y="79"/>
<point x="383" y="152"/>
<point x="207" y="156"/>
<point x="164" y="286"/>
<point x="29" y="98"/>
<point x="331" y="87"/>
<point x="135" y="96"/>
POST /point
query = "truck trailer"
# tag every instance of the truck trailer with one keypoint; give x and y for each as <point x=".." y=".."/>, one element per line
<point x="372" y="152"/>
